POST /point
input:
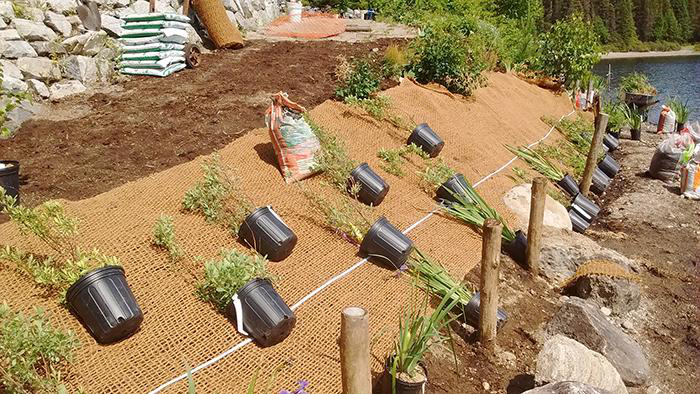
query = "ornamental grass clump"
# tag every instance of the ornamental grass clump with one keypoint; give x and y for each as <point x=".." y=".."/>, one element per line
<point x="34" y="356"/>
<point x="219" y="196"/>
<point x="225" y="276"/>
<point x="537" y="162"/>
<point x="50" y="224"/>
<point x="682" y="109"/>
<point x="636" y="83"/>
<point x="433" y="278"/>
<point x="632" y="116"/>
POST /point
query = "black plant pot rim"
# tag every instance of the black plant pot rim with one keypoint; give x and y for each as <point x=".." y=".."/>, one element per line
<point x="89" y="278"/>
<point x="387" y="369"/>
<point x="235" y="300"/>
<point x="14" y="166"/>
<point x="357" y="169"/>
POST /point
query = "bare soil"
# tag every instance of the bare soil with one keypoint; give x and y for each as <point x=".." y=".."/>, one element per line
<point x="92" y="143"/>
<point x="642" y="218"/>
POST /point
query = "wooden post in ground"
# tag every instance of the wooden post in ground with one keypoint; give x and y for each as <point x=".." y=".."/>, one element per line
<point x="601" y="122"/>
<point x="354" y="351"/>
<point x="488" y="307"/>
<point x="534" y="228"/>
<point x="152" y="6"/>
<point x="186" y="7"/>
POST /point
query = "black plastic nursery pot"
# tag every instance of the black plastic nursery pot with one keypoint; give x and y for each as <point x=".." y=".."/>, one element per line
<point x="402" y="386"/>
<point x="426" y="139"/>
<point x="611" y="142"/>
<point x="263" y="313"/>
<point x="636" y="134"/>
<point x="578" y="224"/>
<point x="615" y="134"/>
<point x="679" y="127"/>
<point x="586" y="205"/>
<point x="609" y="166"/>
<point x="516" y="248"/>
<point x="105" y="305"/>
<point x="266" y="232"/>
<point x="373" y="188"/>
<point x="600" y="181"/>
<point x="569" y="185"/>
<point x="471" y="313"/>
<point x="9" y="178"/>
<point x="455" y="186"/>
<point x="386" y="243"/>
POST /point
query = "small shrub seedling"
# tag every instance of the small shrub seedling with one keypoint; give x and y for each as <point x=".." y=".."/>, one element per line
<point x="346" y="217"/>
<point x="435" y="173"/>
<point x="164" y="237"/>
<point x="394" y="159"/>
<point x="333" y="161"/>
<point x="357" y="79"/>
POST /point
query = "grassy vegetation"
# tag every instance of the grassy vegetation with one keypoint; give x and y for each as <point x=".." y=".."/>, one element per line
<point x="333" y="161"/>
<point x="394" y="159"/>
<point x="434" y="174"/>
<point x="164" y="237"/>
<point x="636" y="83"/>
<point x="520" y="176"/>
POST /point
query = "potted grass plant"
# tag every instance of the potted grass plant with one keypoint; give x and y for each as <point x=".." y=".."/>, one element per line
<point x="239" y="286"/>
<point x="357" y="180"/>
<point x="682" y="110"/>
<point x="545" y="167"/>
<point x="220" y="199"/>
<point x="73" y="275"/>
<point x="380" y="240"/>
<point x="634" y="120"/>
<point x="473" y="210"/>
<point x="405" y="372"/>
<point x="9" y="178"/>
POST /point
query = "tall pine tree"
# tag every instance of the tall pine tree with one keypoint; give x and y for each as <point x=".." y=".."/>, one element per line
<point x="625" y="22"/>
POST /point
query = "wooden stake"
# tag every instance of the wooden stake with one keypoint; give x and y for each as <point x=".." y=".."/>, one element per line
<point x="488" y="307"/>
<point x="151" y="6"/>
<point x="601" y="122"/>
<point x="354" y="351"/>
<point x="186" y="7"/>
<point x="534" y="228"/>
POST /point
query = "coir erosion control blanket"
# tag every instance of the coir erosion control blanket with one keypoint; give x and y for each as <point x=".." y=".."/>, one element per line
<point x="180" y="331"/>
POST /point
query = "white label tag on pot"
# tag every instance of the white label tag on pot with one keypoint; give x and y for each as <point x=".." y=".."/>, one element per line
<point x="239" y="315"/>
<point x="276" y="215"/>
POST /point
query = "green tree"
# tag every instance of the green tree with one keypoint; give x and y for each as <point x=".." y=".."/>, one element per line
<point x="625" y="20"/>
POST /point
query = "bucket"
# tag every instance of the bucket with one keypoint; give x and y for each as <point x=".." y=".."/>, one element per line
<point x="294" y="11"/>
<point x="452" y="188"/>
<point x="472" y="313"/>
<point x="386" y="243"/>
<point x="264" y="231"/>
<point x="373" y="188"/>
<point x="578" y="223"/>
<point x="569" y="185"/>
<point x="425" y="138"/>
<point x="9" y="178"/>
<point x="609" y="166"/>
<point x="105" y="305"/>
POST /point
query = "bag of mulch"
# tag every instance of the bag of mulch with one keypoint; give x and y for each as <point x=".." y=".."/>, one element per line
<point x="294" y="142"/>
<point x="665" y="162"/>
<point x="154" y="25"/>
<point x="153" y="47"/>
<point x="152" y="55"/>
<point x="157" y="64"/>
<point x="667" y="121"/>
<point x="163" y="72"/>
<point x="147" y="36"/>
<point x="156" y="16"/>
<point x="694" y="131"/>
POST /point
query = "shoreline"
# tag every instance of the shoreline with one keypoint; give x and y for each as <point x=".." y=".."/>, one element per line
<point x="639" y="55"/>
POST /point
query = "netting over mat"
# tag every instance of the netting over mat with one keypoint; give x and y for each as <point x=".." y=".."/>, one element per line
<point x="179" y="330"/>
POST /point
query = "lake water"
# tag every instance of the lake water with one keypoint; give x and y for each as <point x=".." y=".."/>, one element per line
<point x="672" y="76"/>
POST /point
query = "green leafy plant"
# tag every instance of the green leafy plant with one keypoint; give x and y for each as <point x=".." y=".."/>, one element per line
<point x="49" y="223"/>
<point x="346" y="217"/>
<point x="378" y="108"/>
<point x="9" y="100"/>
<point x="569" y="49"/>
<point x="34" y="356"/>
<point x="333" y="160"/>
<point x="357" y="79"/>
<point x="681" y="108"/>
<point x="616" y="116"/>
<point x="164" y="237"/>
<point x="636" y="83"/>
<point x="219" y="196"/>
<point x="224" y="277"/>
<point x="435" y="173"/>
<point x="633" y="117"/>
<point x="393" y="159"/>
<point x="433" y="278"/>
<point x="537" y="162"/>
<point x="394" y="63"/>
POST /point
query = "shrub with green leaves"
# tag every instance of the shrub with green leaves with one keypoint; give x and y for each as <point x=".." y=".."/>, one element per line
<point x="394" y="159"/>
<point x="569" y="50"/>
<point x="358" y="79"/>
<point x="34" y="356"/>
<point x="164" y="237"/>
<point x="225" y="276"/>
<point x="348" y="218"/>
<point x="219" y="196"/>
<point x="333" y="160"/>
<point x="394" y="62"/>
<point x="435" y="173"/>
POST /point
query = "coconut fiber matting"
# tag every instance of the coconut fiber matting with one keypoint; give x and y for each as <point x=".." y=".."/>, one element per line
<point x="180" y="331"/>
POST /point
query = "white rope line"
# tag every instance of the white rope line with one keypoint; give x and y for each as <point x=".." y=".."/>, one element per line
<point x="342" y="274"/>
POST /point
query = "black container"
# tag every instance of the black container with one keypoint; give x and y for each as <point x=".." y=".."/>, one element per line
<point x="105" y="305"/>
<point x="615" y="134"/>
<point x="600" y="181"/>
<point x="265" y="315"/>
<point x="578" y="223"/>
<point x="609" y="166"/>
<point x="386" y="243"/>
<point x="373" y="188"/>
<point x="569" y="185"/>
<point x="636" y="134"/>
<point x="9" y="179"/>
<point x="426" y="139"/>
<point x="516" y="248"/>
<point x="611" y="142"/>
<point x="471" y="313"/>
<point x="401" y="386"/>
<point x="264" y="231"/>
<point x="585" y="204"/>
<point x="679" y="127"/>
<point x="639" y="100"/>
<point x="455" y="186"/>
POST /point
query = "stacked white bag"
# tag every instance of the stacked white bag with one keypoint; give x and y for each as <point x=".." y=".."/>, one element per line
<point x="153" y="44"/>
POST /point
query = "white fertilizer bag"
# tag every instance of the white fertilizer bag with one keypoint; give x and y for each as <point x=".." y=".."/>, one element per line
<point x="156" y="16"/>
<point x="158" y="55"/>
<point x="153" y="64"/>
<point x="153" y="47"/>
<point x="157" y="25"/>
<point x="154" y="72"/>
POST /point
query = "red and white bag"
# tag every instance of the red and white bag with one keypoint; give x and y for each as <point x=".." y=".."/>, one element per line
<point x="667" y="121"/>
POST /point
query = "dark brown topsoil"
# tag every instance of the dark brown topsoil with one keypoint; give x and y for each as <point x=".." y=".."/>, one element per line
<point x="89" y="144"/>
<point x="645" y="220"/>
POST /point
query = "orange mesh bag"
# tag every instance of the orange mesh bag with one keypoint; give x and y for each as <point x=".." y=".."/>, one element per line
<point x="294" y="142"/>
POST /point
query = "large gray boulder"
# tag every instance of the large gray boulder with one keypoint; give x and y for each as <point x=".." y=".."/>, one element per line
<point x="81" y="68"/>
<point x="41" y="68"/>
<point x="567" y="388"/>
<point x="518" y="201"/>
<point x="112" y="25"/>
<point x="23" y="112"/>
<point x="6" y="11"/>
<point x="87" y="44"/>
<point x="63" y="6"/>
<point x="9" y="35"/>
<point x="14" y="85"/>
<point x="38" y="88"/>
<point x="58" y="23"/>
<point x="619" y="294"/>
<point x="9" y="69"/>
<point x="33" y="31"/>
<point x="579" y="320"/>
<point x="17" y="49"/>
<point x="563" y="252"/>
<point x="564" y="359"/>
<point x="65" y="88"/>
